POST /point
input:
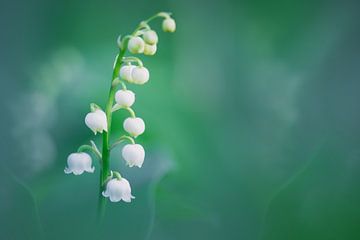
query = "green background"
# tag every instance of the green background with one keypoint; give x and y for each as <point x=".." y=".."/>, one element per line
<point x="252" y="115"/>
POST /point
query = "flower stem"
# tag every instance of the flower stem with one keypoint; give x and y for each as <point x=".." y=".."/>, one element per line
<point x="92" y="149"/>
<point x="121" y="139"/>
<point x="105" y="163"/>
<point x="105" y="166"/>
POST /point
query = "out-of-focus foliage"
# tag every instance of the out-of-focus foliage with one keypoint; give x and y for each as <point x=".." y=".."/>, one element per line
<point x="251" y="111"/>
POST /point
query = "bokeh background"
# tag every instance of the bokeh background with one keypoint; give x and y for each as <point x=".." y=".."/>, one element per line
<point x="252" y="114"/>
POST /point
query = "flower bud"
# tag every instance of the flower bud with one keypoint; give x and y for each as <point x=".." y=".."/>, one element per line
<point x="96" y="121"/>
<point x="125" y="72"/>
<point x="134" y="155"/>
<point x="134" y="126"/>
<point x="125" y="98"/>
<point x="136" y="45"/>
<point x="117" y="190"/>
<point x="150" y="37"/>
<point x="169" y="25"/>
<point x="79" y="163"/>
<point x="140" y="75"/>
<point x="150" y="49"/>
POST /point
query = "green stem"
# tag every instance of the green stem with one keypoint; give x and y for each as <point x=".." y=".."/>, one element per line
<point x="105" y="166"/>
<point x="105" y="163"/>
<point x="89" y="148"/>
<point x="121" y="139"/>
<point x="117" y="175"/>
<point x="117" y="107"/>
<point x="133" y="59"/>
<point x="132" y="113"/>
<point x="160" y="14"/>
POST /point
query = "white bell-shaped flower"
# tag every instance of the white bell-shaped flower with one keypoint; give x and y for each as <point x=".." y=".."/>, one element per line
<point x="150" y="49"/>
<point x="134" y="155"/>
<point x="140" y="75"/>
<point x="96" y="121"/>
<point x="136" y="45"/>
<point x="134" y="126"/>
<point x="117" y="190"/>
<point x="79" y="163"/>
<point x="126" y="71"/>
<point x="125" y="98"/>
<point x="150" y="37"/>
<point x="169" y="25"/>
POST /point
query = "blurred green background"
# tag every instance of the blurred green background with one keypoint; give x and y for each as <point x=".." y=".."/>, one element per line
<point x="252" y="115"/>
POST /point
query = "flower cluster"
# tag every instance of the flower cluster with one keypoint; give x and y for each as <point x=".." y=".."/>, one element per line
<point x="128" y="69"/>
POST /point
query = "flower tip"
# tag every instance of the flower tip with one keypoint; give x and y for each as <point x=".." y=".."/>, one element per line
<point x="125" y="72"/>
<point x="140" y="75"/>
<point x="124" y="98"/>
<point x="136" y="45"/>
<point x="117" y="190"/>
<point x="150" y="50"/>
<point x="134" y="155"/>
<point x="128" y="199"/>
<point x="78" y="163"/>
<point x="96" y="121"/>
<point x="169" y="25"/>
<point x="150" y="37"/>
<point x="77" y="172"/>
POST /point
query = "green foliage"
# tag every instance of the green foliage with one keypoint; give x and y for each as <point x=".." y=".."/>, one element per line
<point x="253" y="113"/>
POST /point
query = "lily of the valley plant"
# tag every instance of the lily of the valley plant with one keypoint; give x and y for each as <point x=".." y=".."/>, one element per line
<point x="126" y="69"/>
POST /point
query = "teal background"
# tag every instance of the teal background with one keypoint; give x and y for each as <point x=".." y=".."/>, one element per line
<point x="252" y="116"/>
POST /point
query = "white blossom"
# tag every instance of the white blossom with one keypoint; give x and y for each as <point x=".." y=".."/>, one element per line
<point x="117" y="190"/>
<point x="125" y="98"/>
<point x="96" y="121"/>
<point x="169" y="25"/>
<point x="140" y="75"/>
<point x="134" y="154"/>
<point x="136" y="45"/>
<point x="79" y="163"/>
<point x="134" y="126"/>
<point x="150" y="49"/>
<point x="125" y="72"/>
<point x="150" y="37"/>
